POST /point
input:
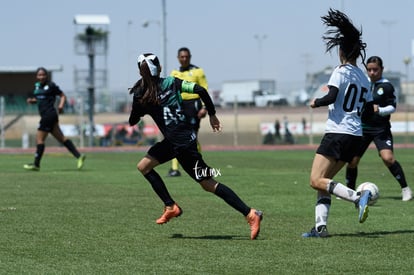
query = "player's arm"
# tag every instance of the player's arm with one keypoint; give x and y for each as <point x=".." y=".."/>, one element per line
<point x="136" y="114"/>
<point x="31" y="100"/>
<point x="390" y="104"/>
<point x="202" y="80"/>
<point x="329" y="98"/>
<point x="211" y="109"/>
<point x="137" y="109"/>
<point x="191" y="87"/>
<point x="62" y="101"/>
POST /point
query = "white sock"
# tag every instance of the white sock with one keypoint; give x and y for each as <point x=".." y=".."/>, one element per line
<point x="322" y="210"/>
<point x="340" y="190"/>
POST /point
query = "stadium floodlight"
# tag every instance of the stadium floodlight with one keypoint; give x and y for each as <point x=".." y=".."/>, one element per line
<point x="92" y="41"/>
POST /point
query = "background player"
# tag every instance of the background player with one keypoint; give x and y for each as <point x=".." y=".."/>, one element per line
<point x="376" y="127"/>
<point x="44" y="95"/>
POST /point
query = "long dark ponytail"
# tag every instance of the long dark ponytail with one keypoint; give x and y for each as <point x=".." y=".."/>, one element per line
<point x="345" y="35"/>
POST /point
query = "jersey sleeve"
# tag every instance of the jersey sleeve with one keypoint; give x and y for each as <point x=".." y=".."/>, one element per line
<point x="137" y="110"/>
<point x="335" y="79"/>
<point x="390" y="95"/>
<point x="191" y="87"/>
<point x="55" y="88"/>
<point x="202" y="80"/>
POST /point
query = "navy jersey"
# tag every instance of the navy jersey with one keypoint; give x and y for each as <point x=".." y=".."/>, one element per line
<point x="168" y="114"/>
<point x="45" y="95"/>
<point x="383" y="94"/>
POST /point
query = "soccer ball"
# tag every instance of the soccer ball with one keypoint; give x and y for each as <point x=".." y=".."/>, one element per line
<point x="371" y="187"/>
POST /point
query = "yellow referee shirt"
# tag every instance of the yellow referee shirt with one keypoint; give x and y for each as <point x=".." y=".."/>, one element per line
<point x="192" y="74"/>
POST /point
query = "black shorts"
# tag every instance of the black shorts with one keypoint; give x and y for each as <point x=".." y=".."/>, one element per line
<point x="188" y="157"/>
<point x="47" y="122"/>
<point x="383" y="140"/>
<point x="339" y="146"/>
<point x="191" y="108"/>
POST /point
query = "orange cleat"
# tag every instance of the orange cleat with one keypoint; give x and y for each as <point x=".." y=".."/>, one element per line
<point x="253" y="219"/>
<point x="169" y="213"/>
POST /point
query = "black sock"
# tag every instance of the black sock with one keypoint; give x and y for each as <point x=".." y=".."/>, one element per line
<point x="159" y="187"/>
<point x="232" y="199"/>
<point x="398" y="173"/>
<point x="40" y="148"/>
<point x="71" y="147"/>
<point x="351" y="176"/>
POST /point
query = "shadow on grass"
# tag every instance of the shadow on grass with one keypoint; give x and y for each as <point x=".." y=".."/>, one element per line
<point x="210" y="237"/>
<point x="396" y="198"/>
<point x="375" y="234"/>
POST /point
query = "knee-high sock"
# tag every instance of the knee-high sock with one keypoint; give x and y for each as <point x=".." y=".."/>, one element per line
<point x="322" y="210"/>
<point x="71" y="147"/>
<point x="398" y="173"/>
<point x="232" y="199"/>
<point x="351" y="176"/>
<point x="40" y="148"/>
<point x="159" y="187"/>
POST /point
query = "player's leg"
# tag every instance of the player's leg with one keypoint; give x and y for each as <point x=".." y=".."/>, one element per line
<point x="193" y="163"/>
<point x="352" y="167"/>
<point x="40" y="148"/>
<point x="161" y="152"/>
<point x="58" y="134"/>
<point x="45" y="126"/>
<point x="174" y="172"/>
<point x="384" y="143"/>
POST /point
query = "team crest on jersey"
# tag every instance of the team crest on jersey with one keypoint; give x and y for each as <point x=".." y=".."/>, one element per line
<point x="380" y="91"/>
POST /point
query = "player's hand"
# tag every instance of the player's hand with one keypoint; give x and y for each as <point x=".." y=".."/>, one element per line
<point x="312" y="103"/>
<point x="215" y="123"/>
<point x="31" y="100"/>
<point x="202" y="113"/>
<point x="376" y="108"/>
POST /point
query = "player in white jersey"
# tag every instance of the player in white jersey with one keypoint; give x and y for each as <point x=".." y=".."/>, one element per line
<point x="347" y="96"/>
<point x="345" y="110"/>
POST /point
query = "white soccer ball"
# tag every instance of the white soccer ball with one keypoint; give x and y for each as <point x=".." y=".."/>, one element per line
<point x="371" y="187"/>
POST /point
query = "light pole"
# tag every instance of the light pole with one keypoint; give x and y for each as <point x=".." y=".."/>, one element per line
<point x="163" y="24"/>
<point x="260" y="39"/>
<point x="388" y="24"/>
<point x="128" y="52"/>
<point x="91" y="42"/>
<point x="407" y="62"/>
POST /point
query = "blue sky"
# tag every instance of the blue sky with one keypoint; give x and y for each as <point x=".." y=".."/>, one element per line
<point x="220" y="33"/>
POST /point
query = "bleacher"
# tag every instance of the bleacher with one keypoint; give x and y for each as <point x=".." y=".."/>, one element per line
<point x="16" y="104"/>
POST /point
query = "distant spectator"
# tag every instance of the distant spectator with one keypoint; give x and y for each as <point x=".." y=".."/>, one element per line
<point x="277" y="130"/>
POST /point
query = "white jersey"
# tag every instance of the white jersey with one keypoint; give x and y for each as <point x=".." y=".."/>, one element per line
<point x="345" y="113"/>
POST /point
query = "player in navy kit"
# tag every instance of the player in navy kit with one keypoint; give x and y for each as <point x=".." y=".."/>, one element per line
<point x="376" y="127"/>
<point x="161" y="99"/>
<point x="346" y="98"/>
<point x="44" y="95"/>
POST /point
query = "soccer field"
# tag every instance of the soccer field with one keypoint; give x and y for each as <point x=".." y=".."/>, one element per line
<point x="101" y="220"/>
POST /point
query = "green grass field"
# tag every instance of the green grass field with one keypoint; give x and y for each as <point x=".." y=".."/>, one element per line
<point x="101" y="220"/>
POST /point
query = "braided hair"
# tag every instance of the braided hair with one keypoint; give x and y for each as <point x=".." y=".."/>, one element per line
<point x="344" y="34"/>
